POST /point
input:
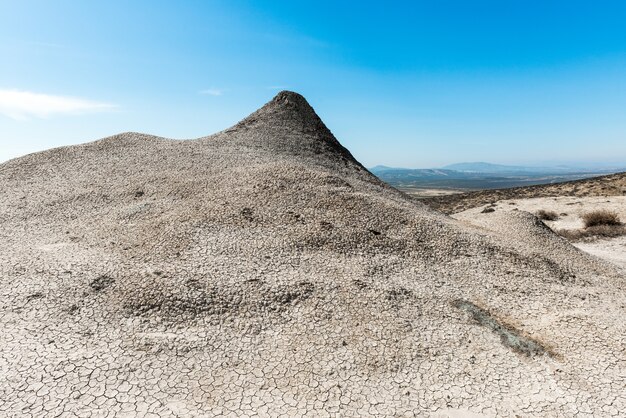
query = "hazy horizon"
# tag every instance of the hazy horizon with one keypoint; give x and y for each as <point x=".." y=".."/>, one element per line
<point x="427" y="85"/>
<point x="596" y="165"/>
<point x="616" y="164"/>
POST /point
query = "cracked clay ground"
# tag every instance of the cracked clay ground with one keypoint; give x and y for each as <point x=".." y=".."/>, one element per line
<point x="262" y="271"/>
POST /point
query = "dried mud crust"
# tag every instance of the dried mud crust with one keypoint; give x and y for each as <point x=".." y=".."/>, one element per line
<point x="263" y="271"/>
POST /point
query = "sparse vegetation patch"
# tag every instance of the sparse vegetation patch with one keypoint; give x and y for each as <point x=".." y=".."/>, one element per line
<point x="598" y="224"/>
<point x="593" y="232"/>
<point x="601" y="217"/>
<point x="547" y="215"/>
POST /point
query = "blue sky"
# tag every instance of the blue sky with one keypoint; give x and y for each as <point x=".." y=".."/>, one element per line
<point x="413" y="84"/>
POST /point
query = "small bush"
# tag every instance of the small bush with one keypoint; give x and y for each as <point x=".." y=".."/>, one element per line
<point x="593" y="232"/>
<point x="608" y="231"/>
<point x="547" y="215"/>
<point x="600" y="217"/>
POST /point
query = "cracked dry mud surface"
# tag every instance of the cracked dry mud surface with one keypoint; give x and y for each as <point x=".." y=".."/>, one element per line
<point x="263" y="271"/>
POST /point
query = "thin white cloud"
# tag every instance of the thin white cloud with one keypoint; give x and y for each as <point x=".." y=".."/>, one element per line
<point x="212" y="92"/>
<point x="23" y="105"/>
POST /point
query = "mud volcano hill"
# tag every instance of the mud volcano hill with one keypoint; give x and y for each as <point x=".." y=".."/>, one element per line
<point x="262" y="270"/>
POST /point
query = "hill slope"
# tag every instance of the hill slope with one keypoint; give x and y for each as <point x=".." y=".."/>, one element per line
<point x="264" y="270"/>
<point x="610" y="185"/>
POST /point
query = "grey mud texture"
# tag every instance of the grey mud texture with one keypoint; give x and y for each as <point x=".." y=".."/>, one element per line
<point x="509" y="336"/>
<point x="262" y="271"/>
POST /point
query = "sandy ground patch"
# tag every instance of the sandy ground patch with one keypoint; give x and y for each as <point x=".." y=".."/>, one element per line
<point x="570" y="209"/>
<point x="422" y="193"/>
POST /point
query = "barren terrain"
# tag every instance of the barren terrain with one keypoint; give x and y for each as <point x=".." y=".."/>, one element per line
<point x="262" y="271"/>
<point x="570" y="210"/>
<point x="602" y="186"/>
<point x="421" y="193"/>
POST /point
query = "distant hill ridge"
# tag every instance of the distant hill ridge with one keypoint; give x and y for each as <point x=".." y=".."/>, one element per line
<point x="490" y="168"/>
<point x="477" y="176"/>
<point x="609" y="185"/>
<point x="482" y="167"/>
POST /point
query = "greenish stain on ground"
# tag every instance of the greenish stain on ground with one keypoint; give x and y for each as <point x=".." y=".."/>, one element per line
<point x="509" y="335"/>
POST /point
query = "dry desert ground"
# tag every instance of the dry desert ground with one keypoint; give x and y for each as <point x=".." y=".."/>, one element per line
<point x="570" y="210"/>
<point x="263" y="271"/>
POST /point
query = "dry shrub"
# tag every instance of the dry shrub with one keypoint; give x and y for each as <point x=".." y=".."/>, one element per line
<point x="598" y="224"/>
<point x="609" y="231"/>
<point x="547" y="215"/>
<point x="601" y="217"/>
<point x="593" y="232"/>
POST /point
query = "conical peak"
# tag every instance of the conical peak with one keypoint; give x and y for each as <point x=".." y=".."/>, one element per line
<point x="291" y="99"/>
<point x="288" y="124"/>
<point x="292" y="105"/>
<point x="287" y="109"/>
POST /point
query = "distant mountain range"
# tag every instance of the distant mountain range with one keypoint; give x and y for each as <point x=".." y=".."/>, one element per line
<point x="481" y="167"/>
<point x="481" y="175"/>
